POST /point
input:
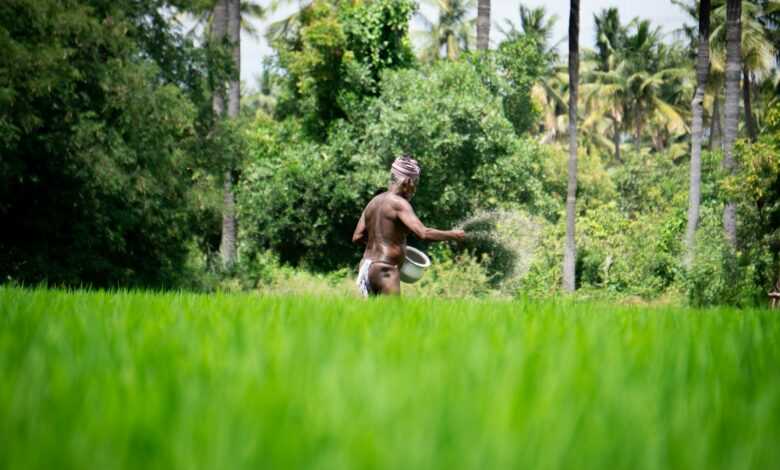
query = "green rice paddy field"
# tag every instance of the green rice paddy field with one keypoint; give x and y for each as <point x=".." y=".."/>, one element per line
<point x="95" y="380"/>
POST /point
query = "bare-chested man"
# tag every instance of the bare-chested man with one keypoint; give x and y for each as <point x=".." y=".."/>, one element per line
<point x="383" y="227"/>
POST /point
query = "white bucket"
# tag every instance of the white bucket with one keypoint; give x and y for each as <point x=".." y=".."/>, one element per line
<point x="415" y="264"/>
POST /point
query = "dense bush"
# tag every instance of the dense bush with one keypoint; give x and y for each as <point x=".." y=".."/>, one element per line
<point x="334" y="60"/>
<point x="719" y="276"/>
<point x="454" y="275"/>
<point x="743" y="277"/>
<point x="453" y="124"/>
<point x="509" y="73"/>
<point x="302" y="198"/>
<point x="97" y="143"/>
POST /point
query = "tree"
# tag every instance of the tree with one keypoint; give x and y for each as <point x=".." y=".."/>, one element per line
<point x="218" y="31"/>
<point x="332" y="61"/>
<point x="651" y="66"/>
<point x="534" y="24"/>
<point x="453" y="31"/>
<point x="220" y="19"/>
<point x="697" y="128"/>
<point x="638" y="83"/>
<point x="226" y="18"/>
<point x="715" y="77"/>
<point x="733" y="75"/>
<point x="570" y="251"/>
<point x="756" y="49"/>
<point x="99" y="143"/>
<point x="227" y="247"/>
<point x="483" y="25"/>
<point x="610" y="35"/>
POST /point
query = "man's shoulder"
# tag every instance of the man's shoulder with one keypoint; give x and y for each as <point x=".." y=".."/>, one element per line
<point x="397" y="201"/>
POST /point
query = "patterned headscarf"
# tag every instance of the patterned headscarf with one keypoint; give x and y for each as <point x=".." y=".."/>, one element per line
<point x="405" y="167"/>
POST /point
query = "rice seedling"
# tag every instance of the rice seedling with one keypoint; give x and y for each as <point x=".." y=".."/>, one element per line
<point x="172" y="380"/>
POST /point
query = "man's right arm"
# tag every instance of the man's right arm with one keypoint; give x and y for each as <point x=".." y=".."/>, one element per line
<point x="360" y="235"/>
<point x="413" y="223"/>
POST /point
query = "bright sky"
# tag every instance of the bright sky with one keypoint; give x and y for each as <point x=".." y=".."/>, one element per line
<point x="661" y="12"/>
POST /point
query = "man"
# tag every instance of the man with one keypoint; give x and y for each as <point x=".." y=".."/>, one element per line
<point x="383" y="227"/>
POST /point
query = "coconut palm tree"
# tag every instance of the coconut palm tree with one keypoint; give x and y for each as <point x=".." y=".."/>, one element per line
<point x="552" y="97"/>
<point x="483" y="25"/>
<point x="609" y="37"/>
<point x="606" y="86"/>
<point x="637" y="83"/>
<point x="227" y="246"/>
<point x="733" y="73"/>
<point x="697" y="128"/>
<point x="224" y="20"/>
<point x="218" y="29"/>
<point x="203" y="15"/>
<point x="715" y="76"/>
<point x="453" y="32"/>
<point x="758" y="52"/>
<point x="570" y="250"/>
<point x="534" y="22"/>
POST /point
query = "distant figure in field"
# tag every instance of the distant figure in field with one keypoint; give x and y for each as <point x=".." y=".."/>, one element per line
<point x="383" y="227"/>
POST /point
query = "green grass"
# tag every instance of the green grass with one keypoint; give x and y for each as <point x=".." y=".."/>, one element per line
<point x="143" y="380"/>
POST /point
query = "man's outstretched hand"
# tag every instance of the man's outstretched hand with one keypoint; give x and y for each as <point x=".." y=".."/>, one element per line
<point x="458" y="235"/>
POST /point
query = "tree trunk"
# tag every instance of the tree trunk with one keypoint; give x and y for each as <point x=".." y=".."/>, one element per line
<point x="750" y="122"/>
<point x="697" y="130"/>
<point x="483" y="25"/>
<point x="218" y="31"/>
<point x="227" y="246"/>
<point x="616" y="141"/>
<point x="733" y="72"/>
<point x="716" y="131"/>
<point x="452" y="47"/>
<point x="638" y="137"/>
<point x="570" y="252"/>
<point x="234" y="36"/>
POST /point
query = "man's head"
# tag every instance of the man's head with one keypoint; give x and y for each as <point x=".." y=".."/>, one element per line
<point x="404" y="176"/>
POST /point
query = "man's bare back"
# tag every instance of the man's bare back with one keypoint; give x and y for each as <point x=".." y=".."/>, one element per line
<point x="383" y="227"/>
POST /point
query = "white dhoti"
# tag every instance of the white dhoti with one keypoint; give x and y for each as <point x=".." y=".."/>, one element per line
<point x="363" y="284"/>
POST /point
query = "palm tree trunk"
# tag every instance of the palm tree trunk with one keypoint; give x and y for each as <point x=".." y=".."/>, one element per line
<point x="218" y="31"/>
<point x="638" y="138"/>
<point x="750" y="122"/>
<point x="697" y="129"/>
<point x="234" y="35"/>
<point x="616" y="142"/>
<point x="570" y="251"/>
<point x="483" y="25"/>
<point x="715" y="128"/>
<point x="733" y="72"/>
<point x="452" y="49"/>
<point x="227" y="246"/>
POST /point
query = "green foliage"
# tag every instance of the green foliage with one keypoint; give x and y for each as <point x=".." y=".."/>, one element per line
<point x="510" y="72"/>
<point x="720" y="275"/>
<point x="629" y="226"/>
<point x="453" y="124"/>
<point x="128" y="380"/>
<point x="302" y="198"/>
<point x="98" y="145"/>
<point x="453" y="275"/>
<point x="337" y="57"/>
<point x="706" y="282"/>
<point x="378" y="34"/>
<point x="111" y="157"/>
